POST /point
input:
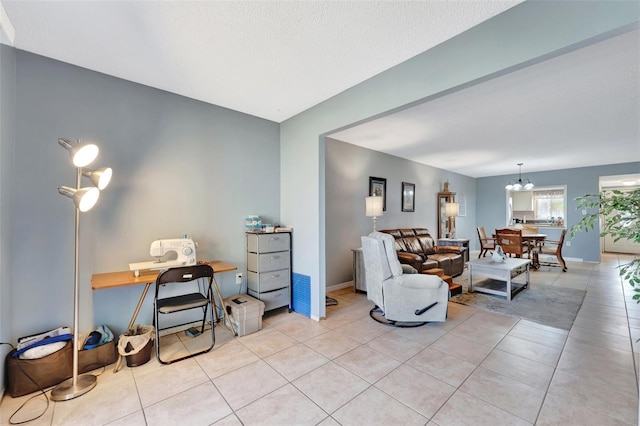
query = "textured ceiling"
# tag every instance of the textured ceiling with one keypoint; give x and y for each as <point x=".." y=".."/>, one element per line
<point x="275" y="59"/>
<point x="271" y="59"/>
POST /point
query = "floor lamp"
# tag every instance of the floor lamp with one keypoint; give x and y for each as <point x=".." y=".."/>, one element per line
<point x="82" y="154"/>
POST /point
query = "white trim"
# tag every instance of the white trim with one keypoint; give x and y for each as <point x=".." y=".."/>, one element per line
<point x="7" y="31"/>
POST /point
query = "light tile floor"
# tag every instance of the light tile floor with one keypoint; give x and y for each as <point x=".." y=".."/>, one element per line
<point x="478" y="368"/>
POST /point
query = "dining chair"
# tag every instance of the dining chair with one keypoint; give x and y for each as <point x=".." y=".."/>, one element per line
<point x="511" y="242"/>
<point x="529" y="243"/>
<point x="551" y="248"/>
<point x="486" y="243"/>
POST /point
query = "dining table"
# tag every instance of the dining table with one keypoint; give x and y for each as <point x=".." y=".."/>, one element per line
<point x="533" y="240"/>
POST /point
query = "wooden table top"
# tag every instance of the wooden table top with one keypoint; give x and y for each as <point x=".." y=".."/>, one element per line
<point x="124" y="278"/>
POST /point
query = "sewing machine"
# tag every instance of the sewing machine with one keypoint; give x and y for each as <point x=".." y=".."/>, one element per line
<point x="185" y="249"/>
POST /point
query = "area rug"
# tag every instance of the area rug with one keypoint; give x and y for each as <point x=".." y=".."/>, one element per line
<point x="547" y="305"/>
<point x="330" y="301"/>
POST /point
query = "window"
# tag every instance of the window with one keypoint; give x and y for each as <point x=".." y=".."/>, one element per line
<point x="549" y="203"/>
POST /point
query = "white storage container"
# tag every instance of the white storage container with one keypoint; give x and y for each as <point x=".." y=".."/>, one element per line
<point x="246" y="313"/>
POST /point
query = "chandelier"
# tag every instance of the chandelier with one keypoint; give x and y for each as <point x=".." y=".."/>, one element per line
<point x="519" y="184"/>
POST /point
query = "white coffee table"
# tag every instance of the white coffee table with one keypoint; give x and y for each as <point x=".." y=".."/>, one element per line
<point x="506" y="271"/>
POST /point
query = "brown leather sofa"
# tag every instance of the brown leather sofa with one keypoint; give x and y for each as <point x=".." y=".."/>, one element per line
<point x="416" y="247"/>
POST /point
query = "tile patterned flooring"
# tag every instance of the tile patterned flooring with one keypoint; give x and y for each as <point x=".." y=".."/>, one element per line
<point x="478" y="368"/>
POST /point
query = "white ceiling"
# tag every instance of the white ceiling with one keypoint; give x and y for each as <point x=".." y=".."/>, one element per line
<point x="271" y="59"/>
<point x="575" y="110"/>
<point x="275" y="59"/>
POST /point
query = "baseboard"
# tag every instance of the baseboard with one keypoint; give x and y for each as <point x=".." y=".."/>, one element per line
<point x="340" y="286"/>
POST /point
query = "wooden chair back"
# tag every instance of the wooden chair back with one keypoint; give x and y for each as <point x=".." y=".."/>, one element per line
<point x="510" y="240"/>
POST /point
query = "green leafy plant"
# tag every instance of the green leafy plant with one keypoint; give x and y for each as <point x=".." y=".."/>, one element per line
<point x="619" y="211"/>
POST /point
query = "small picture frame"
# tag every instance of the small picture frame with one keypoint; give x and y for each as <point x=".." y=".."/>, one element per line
<point x="462" y="205"/>
<point x="378" y="187"/>
<point x="408" y="197"/>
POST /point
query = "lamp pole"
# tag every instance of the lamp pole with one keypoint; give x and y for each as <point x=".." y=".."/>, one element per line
<point x="75" y="386"/>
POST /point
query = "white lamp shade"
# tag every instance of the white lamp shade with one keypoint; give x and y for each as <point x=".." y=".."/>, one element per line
<point x="83" y="198"/>
<point x="81" y="154"/>
<point x="451" y="209"/>
<point x="100" y="177"/>
<point x="373" y="206"/>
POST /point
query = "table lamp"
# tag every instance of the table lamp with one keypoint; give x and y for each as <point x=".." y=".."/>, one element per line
<point x="451" y="210"/>
<point x="373" y="206"/>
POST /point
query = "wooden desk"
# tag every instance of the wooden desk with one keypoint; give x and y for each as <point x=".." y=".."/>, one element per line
<point x="125" y="278"/>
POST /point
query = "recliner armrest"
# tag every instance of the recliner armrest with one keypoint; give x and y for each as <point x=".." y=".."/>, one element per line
<point x="449" y="249"/>
<point x="423" y="281"/>
<point x="409" y="258"/>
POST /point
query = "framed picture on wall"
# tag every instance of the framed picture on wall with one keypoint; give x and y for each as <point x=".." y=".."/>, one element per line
<point x="462" y="205"/>
<point x="408" y="197"/>
<point x="378" y="188"/>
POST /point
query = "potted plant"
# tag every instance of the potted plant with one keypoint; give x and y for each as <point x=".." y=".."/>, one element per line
<point x="620" y="211"/>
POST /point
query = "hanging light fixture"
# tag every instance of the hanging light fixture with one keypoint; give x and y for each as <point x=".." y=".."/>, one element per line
<point x="519" y="184"/>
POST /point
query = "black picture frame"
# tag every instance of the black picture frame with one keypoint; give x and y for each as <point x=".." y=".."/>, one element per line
<point x="408" y="197"/>
<point x="378" y="187"/>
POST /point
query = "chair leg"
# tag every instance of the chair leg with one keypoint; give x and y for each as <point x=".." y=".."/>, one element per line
<point x="562" y="262"/>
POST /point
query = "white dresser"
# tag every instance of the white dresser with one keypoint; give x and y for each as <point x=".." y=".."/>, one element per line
<point x="269" y="268"/>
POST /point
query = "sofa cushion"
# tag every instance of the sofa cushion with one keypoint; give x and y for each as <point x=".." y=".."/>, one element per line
<point x="421" y="231"/>
<point x="412" y="245"/>
<point x="394" y="232"/>
<point x="426" y="243"/>
<point x="408" y="232"/>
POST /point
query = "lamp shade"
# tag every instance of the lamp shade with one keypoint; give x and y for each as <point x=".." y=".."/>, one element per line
<point x="83" y="198"/>
<point x="81" y="154"/>
<point x="373" y="206"/>
<point x="100" y="177"/>
<point x="451" y="209"/>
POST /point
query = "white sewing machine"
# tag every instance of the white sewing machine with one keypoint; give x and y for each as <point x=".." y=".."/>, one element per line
<point x="184" y="248"/>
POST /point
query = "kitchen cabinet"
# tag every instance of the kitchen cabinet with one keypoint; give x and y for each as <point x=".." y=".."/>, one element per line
<point x="522" y="200"/>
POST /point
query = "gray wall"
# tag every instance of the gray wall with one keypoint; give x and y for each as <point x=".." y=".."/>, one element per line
<point x="348" y="168"/>
<point x="521" y="35"/>
<point x="491" y="201"/>
<point x="180" y="167"/>
<point x="7" y="136"/>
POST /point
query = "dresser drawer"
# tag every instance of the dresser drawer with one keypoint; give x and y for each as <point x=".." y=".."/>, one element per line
<point x="267" y="281"/>
<point x="266" y="243"/>
<point x="273" y="299"/>
<point x="268" y="261"/>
